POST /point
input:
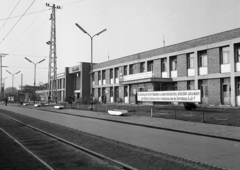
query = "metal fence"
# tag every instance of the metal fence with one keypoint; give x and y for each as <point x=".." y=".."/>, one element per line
<point x="217" y="115"/>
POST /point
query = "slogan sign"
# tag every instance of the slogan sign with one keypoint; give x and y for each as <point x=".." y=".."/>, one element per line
<point x="170" y="96"/>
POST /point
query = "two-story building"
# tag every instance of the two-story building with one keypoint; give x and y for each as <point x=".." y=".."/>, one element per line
<point x="211" y="64"/>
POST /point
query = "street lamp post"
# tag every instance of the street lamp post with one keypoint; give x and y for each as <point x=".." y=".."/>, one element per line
<point x="34" y="73"/>
<point x="12" y="77"/>
<point x="91" y="69"/>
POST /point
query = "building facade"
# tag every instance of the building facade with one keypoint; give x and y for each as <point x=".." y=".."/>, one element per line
<point x="211" y="64"/>
<point x="72" y="85"/>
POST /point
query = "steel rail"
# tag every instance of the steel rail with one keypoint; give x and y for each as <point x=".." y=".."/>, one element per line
<point x="35" y="156"/>
<point x="120" y="164"/>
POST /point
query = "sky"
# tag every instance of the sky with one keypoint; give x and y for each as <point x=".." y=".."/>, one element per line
<point x="133" y="26"/>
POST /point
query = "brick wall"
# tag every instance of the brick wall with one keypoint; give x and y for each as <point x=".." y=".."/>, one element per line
<point x="108" y="76"/>
<point x="214" y="91"/>
<point x="96" y="77"/>
<point x="69" y="84"/>
<point x="136" y="68"/>
<point x="182" y="85"/>
<point x="121" y="93"/>
<point x="85" y="80"/>
<point x="157" y="68"/>
<point x="213" y="60"/>
<point x="108" y="94"/>
<point x="96" y="93"/>
<point x="182" y="65"/>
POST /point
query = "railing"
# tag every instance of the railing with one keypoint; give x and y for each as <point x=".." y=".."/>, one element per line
<point x="138" y="76"/>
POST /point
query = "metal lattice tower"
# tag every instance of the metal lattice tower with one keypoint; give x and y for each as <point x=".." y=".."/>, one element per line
<point x="52" y="67"/>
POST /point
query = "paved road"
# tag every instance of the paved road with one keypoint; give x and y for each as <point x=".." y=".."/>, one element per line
<point x="217" y="152"/>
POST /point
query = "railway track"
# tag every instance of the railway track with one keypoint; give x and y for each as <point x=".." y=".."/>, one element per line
<point x="119" y="154"/>
<point x="54" y="152"/>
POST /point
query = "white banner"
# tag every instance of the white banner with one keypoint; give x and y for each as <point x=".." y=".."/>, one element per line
<point x="170" y="96"/>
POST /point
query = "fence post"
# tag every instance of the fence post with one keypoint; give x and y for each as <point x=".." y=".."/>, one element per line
<point x="133" y="110"/>
<point x="175" y="117"/>
<point x="151" y="113"/>
<point x="203" y="117"/>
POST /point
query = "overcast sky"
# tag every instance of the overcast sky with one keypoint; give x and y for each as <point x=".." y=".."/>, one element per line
<point x="133" y="26"/>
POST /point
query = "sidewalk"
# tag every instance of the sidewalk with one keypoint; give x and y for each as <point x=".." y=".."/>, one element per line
<point x="192" y="127"/>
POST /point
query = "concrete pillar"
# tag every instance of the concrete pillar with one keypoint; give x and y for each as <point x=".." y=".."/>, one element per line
<point x="114" y="76"/>
<point x="232" y="75"/>
<point x="168" y="67"/>
<point x="196" y="69"/>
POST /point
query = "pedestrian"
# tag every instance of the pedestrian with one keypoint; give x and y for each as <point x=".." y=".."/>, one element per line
<point x="6" y="101"/>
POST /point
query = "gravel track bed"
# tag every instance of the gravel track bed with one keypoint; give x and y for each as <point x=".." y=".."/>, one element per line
<point x="134" y="156"/>
<point x="56" y="154"/>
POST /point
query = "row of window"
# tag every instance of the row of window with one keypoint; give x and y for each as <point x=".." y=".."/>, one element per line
<point x="202" y="60"/>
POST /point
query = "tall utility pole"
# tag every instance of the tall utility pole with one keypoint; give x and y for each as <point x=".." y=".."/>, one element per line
<point x="52" y="68"/>
<point x="1" y="66"/>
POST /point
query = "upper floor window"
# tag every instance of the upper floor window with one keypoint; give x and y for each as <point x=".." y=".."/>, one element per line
<point x="111" y="73"/>
<point x="125" y="70"/>
<point x="173" y="63"/>
<point x="99" y="75"/>
<point x="164" y="64"/>
<point x="142" y="67"/>
<point x="131" y="68"/>
<point x="203" y="59"/>
<point x="116" y="72"/>
<point x="225" y="55"/>
<point x="104" y="74"/>
<point x="190" y="59"/>
<point x="150" y="65"/>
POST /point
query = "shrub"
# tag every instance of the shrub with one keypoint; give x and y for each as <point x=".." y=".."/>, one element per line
<point x="190" y="106"/>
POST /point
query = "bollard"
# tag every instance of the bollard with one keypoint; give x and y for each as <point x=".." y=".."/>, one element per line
<point x="151" y="113"/>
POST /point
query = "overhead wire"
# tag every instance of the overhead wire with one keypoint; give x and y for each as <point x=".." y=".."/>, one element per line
<point x="30" y="36"/>
<point x="26" y="30"/>
<point x="10" y="14"/>
<point x="24" y="14"/>
<point x="16" y="22"/>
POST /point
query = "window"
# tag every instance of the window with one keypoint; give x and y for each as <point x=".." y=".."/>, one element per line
<point x="99" y="75"/>
<point x="63" y="83"/>
<point x="150" y="65"/>
<point x="142" y="67"/>
<point x="116" y="72"/>
<point x="203" y="59"/>
<point x="99" y="92"/>
<point x="104" y="74"/>
<point x="125" y="70"/>
<point x="190" y="85"/>
<point x="238" y="55"/>
<point x="164" y="64"/>
<point x="174" y="86"/>
<point x="111" y="92"/>
<point x="173" y="63"/>
<point x="93" y="76"/>
<point x="191" y="60"/>
<point x="131" y="69"/>
<point x="125" y="91"/>
<point x="225" y="55"/>
<point x="111" y="73"/>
